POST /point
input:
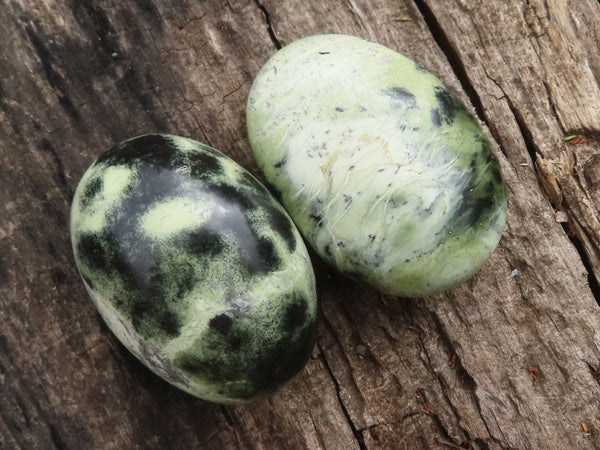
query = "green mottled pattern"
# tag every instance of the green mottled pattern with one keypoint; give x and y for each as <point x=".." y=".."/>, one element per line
<point x="195" y="267"/>
<point x="382" y="168"/>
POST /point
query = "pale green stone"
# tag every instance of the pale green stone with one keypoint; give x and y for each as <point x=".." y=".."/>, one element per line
<point x="384" y="171"/>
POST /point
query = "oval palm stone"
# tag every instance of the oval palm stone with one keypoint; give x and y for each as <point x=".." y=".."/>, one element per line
<point x="383" y="169"/>
<point x="195" y="267"/>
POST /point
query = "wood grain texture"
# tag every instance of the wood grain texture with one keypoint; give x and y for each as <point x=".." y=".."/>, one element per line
<point x="509" y="359"/>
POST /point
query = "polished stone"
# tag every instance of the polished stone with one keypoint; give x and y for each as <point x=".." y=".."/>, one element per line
<point x="195" y="267"/>
<point x="383" y="169"/>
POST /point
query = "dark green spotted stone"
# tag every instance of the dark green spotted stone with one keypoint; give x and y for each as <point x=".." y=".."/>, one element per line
<point x="195" y="267"/>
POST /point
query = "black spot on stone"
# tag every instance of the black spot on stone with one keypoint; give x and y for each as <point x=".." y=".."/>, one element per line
<point x="295" y="313"/>
<point x="283" y="226"/>
<point x="205" y="242"/>
<point x="472" y="207"/>
<point x="317" y="218"/>
<point x="169" y="323"/>
<point x="152" y="149"/>
<point x="283" y="362"/>
<point x="223" y="349"/>
<point x="154" y="305"/>
<point x="234" y="197"/>
<point x="184" y="282"/>
<point x="148" y="309"/>
<point x="328" y="250"/>
<point x="221" y="323"/>
<point x="204" y="165"/>
<point x="143" y="298"/>
<point x="400" y="97"/>
<point x="420" y="68"/>
<point x="496" y="174"/>
<point x="91" y="250"/>
<point x="221" y="354"/>
<point x="436" y="118"/>
<point x="279" y="164"/>
<point x="267" y="258"/>
<point x="449" y="104"/>
<point x="258" y="254"/>
<point x="139" y="309"/>
<point x="478" y="200"/>
<point x="88" y="281"/>
<point x="339" y="109"/>
<point x="90" y="191"/>
<point x="323" y="53"/>
<point x="190" y="363"/>
<point x="248" y="180"/>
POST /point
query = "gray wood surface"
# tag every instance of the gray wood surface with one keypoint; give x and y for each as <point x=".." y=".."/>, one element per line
<point x="510" y="359"/>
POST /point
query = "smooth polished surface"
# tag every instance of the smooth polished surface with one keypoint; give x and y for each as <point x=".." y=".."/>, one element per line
<point x="195" y="267"/>
<point x="383" y="169"/>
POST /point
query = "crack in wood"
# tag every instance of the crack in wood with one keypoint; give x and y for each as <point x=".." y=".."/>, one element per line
<point x="361" y="20"/>
<point x="270" y="28"/>
<point x="576" y="240"/>
<point x="466" y="380"/>
<point x="595" y="372"/>
<point x="552" y="105"/>
<point x="184" y="25"/>
<point x="427" y="361"/>
<point x="46" y="146"/>
<point x="317" y="433"/>
<point x="233" y="91"/>
<point x="55" y="437"/>
<point x="357" y="434"/>
<point x="524" y="130"/>
<point x="454" y="59"/>
<point x="55" y="80"/>
<point x="395" y="422"/>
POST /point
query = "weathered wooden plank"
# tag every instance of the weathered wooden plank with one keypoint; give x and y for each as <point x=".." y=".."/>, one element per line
<point x="76" y="78"/>
<point x="504" y="361"/>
